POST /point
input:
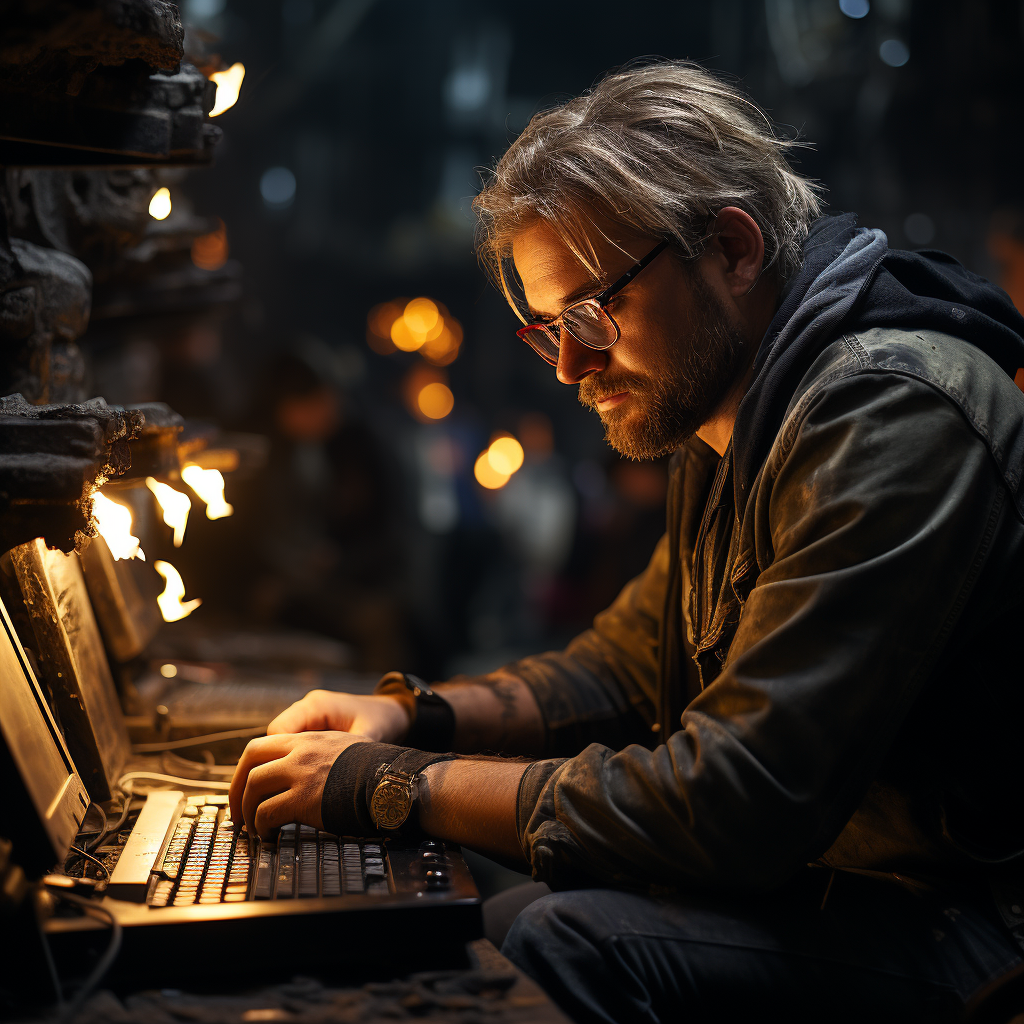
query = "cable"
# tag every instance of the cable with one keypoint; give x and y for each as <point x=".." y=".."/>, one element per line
<point x="221" y="787"/>
<point x="103" y="818"/>
<point x="116" y="827"/>
<point x="195" y="741"/>
<point x="179" y="765"/>
<point x="105" y="961"/>
<point x="89" y="856"/>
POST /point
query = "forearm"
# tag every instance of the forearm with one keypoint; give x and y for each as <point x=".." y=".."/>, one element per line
<point x="495" y="713"/>
<point x="473" y="803"/>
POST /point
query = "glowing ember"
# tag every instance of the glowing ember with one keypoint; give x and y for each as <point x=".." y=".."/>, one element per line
<point x="209" y="485"/>
<point x="114" y="522"/>
<point x="174" y="505"/>
<point x="170" y="601"/>
<point x="160" y="204"/>
<point x="228" y="83"/>
<point x="505" y="455"/>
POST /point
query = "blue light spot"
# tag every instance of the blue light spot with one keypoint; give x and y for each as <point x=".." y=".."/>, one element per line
<point x="894" y="52"/>
<point x="854" y="8"/>
<point x="277" y="186"/>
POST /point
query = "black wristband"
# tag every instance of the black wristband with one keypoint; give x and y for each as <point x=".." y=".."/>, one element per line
<point x="345" y="804"/>
<point x="433" y="720"/>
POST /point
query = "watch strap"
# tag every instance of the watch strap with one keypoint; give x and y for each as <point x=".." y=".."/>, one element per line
<point x="432" y="725"/>
<point x="355" y="775"/>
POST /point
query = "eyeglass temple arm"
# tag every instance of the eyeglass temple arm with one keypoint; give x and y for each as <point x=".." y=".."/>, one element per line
<point x="628" y="276"/>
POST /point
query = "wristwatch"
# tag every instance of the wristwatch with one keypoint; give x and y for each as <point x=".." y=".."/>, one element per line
<point x="433" y="724"/>
<point x="393" y="798"/>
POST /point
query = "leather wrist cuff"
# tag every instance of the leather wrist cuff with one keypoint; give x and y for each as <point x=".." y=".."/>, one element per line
<point x="433" y="720"/>
<point x="345" y="804"/>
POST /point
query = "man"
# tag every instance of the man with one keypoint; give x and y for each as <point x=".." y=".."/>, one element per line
<point x="779" y="767"/>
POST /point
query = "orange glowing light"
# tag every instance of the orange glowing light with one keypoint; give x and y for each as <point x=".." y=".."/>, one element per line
<point x="160" y="204"/>
<point x="404" y="338"/>
<point x="228" y="84"/>
<point x="486" y="475"/>
<point x="210" y="252"/>
<point x="444" y="349"/>
<point x="209" y="485"/>
<point x="423" y="317"/>
<point x="435" y="401"/>
<point x="114" y="523"/>
<point x="505" y="455"/>
<point x="174" y="505"/>
<point x="378" y="327"/>
<point x="170" y="601"/>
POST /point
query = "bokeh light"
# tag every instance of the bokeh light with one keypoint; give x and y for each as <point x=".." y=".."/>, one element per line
<point x="160" y="204"/>
<point x="435" y="400"/>
<point x="505" y="455"/>
<point x="210" y="251"/>
<point x="415" y="325"/>
<point x="486" y="475"/>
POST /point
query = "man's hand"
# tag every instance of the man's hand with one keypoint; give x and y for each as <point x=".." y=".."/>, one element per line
<point x="376" y="718"/>
<point x="281" y="778"/>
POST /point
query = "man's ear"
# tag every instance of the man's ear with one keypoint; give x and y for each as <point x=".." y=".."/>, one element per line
<point x="739" y="246"/>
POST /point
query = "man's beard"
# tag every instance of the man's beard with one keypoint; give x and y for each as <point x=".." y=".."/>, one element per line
<point x="683" y="389"/>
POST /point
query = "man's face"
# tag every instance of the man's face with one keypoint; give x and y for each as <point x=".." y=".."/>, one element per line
<point x="678" y="353"/>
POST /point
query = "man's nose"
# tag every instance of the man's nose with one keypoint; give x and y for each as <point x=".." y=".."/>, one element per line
<point x="576" y="361"/>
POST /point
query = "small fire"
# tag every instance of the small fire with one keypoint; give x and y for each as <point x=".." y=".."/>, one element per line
<point x="209" y="485"/>
<point x="228" y="84"/>
<point x="494" y="466"/>
<point x="114" y="522"/>
<point x="174" y="505"/>
<point x="160" y="204"/>
<point x="170" y="601"/>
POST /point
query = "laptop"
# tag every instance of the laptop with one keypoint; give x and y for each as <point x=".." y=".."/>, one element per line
<point x="185" y="883"/>
<point x="203" y="680"/>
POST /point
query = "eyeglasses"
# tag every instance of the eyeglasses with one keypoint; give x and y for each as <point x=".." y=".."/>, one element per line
<point x="587" y="320"/>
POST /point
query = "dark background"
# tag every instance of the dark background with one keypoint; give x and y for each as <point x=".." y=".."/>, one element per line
<point x="365" y="521"/>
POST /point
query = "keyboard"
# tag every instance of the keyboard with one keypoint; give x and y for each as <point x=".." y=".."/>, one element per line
<point x="207" y="859"/>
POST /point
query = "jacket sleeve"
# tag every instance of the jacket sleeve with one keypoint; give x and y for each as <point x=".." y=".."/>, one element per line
<point x="875" y="510"/>
<point x="601" y="687"/>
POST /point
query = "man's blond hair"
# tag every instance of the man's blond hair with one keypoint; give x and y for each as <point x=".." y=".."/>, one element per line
<point x="658" y="149"/>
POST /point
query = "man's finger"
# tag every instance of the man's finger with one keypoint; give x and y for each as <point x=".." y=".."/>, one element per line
<point x="275" y="811"/>
<point x="257" y="751"/>
<point x="265" y="781"/>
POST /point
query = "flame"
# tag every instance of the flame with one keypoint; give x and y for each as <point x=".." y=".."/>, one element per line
<point x="174" y="505"/>
<point x="505" y="455"/>
<point x="435" y="400"/>
<point x="228" y="84"/>
<point x="170" y="601"/>
<point x="114" y="522"/>
<point x="209" y="485"/>
<point x="160" y="204"/>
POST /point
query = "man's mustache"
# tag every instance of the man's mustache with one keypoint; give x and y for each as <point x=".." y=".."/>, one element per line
<point x="598" y="387"/>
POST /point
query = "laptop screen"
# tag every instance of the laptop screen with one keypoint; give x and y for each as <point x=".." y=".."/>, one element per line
<point x="45" y="800"/>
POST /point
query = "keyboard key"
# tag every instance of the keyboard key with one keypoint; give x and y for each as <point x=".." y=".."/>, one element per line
<point x="264" y="876"/>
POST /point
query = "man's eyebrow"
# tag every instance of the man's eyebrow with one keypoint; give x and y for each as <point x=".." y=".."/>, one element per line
<point x="585" y="291"/>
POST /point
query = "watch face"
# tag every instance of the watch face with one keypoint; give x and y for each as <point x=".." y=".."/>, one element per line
<point x="391" y="803"/>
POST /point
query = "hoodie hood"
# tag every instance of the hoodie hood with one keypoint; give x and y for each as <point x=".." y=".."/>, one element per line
<point x="851" y="281"/>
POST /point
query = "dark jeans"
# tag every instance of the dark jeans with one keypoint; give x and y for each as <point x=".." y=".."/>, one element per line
<point x="875" y="952"/>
